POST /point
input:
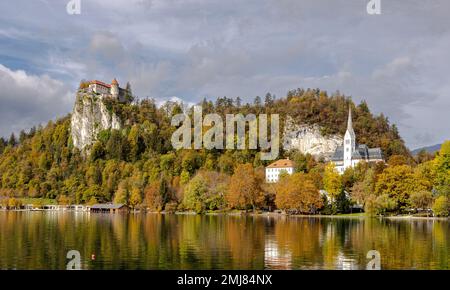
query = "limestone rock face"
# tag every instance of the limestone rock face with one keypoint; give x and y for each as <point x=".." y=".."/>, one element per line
<point x="90" y="116"/>
<point x="308" y="139"/>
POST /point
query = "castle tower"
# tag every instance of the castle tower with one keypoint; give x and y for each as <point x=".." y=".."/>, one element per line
<point x="115" y="89"/>
<point x="349" y="142"/>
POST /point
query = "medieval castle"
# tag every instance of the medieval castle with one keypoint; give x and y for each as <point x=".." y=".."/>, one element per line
<point x="108" y="90"/>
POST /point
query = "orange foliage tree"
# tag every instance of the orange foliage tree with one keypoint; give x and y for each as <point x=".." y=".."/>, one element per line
<point x="245" y="188"/>
<point x="298" y="193"/>
<point x="153" y="198"/>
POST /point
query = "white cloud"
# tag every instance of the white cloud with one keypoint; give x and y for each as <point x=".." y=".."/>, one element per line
<point x="398" y="61"/>
<point x="174" y="99"/>
<point x="27" y="100"/>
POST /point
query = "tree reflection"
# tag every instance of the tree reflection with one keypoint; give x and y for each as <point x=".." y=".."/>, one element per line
<point x="41" y="240"/>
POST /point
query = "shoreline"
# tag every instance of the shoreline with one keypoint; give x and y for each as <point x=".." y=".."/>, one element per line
<point x="252" y="214"/>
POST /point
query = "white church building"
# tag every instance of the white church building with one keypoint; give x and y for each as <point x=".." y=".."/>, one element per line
<point x="352" y="153"/>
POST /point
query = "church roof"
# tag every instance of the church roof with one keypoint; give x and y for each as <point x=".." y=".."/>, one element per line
<point x="375" y="153"/>
<point x="361" y="152"/>
<point x="282" y="163"/>
<point x="338" y="154"/>
<point x="100" y="83"/>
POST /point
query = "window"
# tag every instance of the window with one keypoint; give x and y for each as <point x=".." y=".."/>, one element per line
<point x="347" y="141"/>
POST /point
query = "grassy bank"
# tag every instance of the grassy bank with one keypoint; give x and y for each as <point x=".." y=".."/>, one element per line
<point x="38" y="201"/>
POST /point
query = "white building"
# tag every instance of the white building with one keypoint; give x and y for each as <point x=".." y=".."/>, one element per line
<point x="350" y="153"/>
<point x="276" y="168"/>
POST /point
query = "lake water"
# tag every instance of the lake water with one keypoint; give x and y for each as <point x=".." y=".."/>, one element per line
<point x="41" y="240"/>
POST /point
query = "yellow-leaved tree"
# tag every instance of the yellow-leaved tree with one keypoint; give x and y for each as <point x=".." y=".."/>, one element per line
<point x="332" y="181"/>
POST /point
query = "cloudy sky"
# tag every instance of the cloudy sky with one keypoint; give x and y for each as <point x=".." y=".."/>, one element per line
<point x="398" y="61"/>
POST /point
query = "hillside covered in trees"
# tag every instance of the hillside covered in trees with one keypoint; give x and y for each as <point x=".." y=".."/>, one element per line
<point x="138" y="166"/>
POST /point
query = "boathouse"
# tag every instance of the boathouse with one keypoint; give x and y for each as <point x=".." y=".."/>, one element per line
<point x="79" y="207"/>
<point x="109" y="208"/>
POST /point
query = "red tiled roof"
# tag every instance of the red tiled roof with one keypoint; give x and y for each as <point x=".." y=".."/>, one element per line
<point x="282" y="163"/>
<point x="100" y="83"/>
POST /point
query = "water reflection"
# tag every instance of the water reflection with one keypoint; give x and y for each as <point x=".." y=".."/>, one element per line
<point x="40" y="240"/>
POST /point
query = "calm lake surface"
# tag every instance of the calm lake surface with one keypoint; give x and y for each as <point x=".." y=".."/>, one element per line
<point x="41" y="240"/>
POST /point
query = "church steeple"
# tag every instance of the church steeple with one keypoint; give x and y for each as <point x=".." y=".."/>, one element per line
<point x="349" y="121"/>
<point x="349" y="141"/>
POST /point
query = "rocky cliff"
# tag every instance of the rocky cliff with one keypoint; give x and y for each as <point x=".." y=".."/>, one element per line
<point x="90" y="116"/>
<point x="308" y="139"/>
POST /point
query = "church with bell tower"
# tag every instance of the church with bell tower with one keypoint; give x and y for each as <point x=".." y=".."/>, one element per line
<point x="351" y="153"/>
<point x="349" y="142"/>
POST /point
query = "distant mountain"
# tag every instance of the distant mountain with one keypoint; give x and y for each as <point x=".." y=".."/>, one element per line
<point x="429" y="149"/>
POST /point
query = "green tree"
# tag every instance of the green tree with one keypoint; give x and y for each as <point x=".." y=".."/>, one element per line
<point x="135" y="143"/>
<point x="114" y="146"/>
<point x="441" y="206"/>
<point x="2" y="145"/>
<point x="128" y="93"/>
<point x="421" y="199"/>
<point x="268" y="100"/>
<point x="348" y="178"/>
<point x="226" y="163"/>
<point x="361" y="190"/>
<point x="303" y="162"/>
<point x="135" y="197"/>
<point x="342" y="203"/>
<point x="122" y="193"/>
<point x="12" y="140"/>
<point x="195" y="194"/>
<point x="397" y="160"/>
<point x="98" y="151"/>
<point x="379" y="205"/>
<point x="22" y="136"/>
<point x="442" y="170"/>
<point x="398" y="182"/>
<point x="92" y="192"/>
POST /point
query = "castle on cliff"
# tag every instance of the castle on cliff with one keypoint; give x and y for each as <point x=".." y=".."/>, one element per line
<point x="108" y="90"/>
<point x="351" y="153"/>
